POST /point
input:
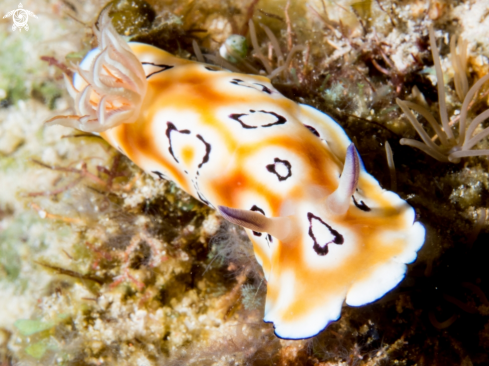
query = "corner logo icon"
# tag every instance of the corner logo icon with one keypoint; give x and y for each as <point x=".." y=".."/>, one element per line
<point x="20" y="17"/>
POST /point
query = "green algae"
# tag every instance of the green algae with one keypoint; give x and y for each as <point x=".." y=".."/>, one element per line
<point x="28" y="327"/>
<point x="11" y="239"/>
<point x="37" y="350"/>
<point x="131" y="16"/>
<point x="46" y="92"/>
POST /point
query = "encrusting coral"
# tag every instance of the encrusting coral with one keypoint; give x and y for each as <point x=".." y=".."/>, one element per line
<point x="451" y="147"/>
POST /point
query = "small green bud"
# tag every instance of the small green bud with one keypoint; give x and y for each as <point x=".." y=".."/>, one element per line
<point x="234" y="48"/>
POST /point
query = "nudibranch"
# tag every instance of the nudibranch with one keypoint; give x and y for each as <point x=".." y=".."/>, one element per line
<point x="321" y="227"/>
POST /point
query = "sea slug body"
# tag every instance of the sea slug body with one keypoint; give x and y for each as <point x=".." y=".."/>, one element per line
<point x="322" y="228"/>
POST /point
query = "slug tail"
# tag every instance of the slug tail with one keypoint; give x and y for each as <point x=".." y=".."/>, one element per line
<point x="109" y="86"/>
